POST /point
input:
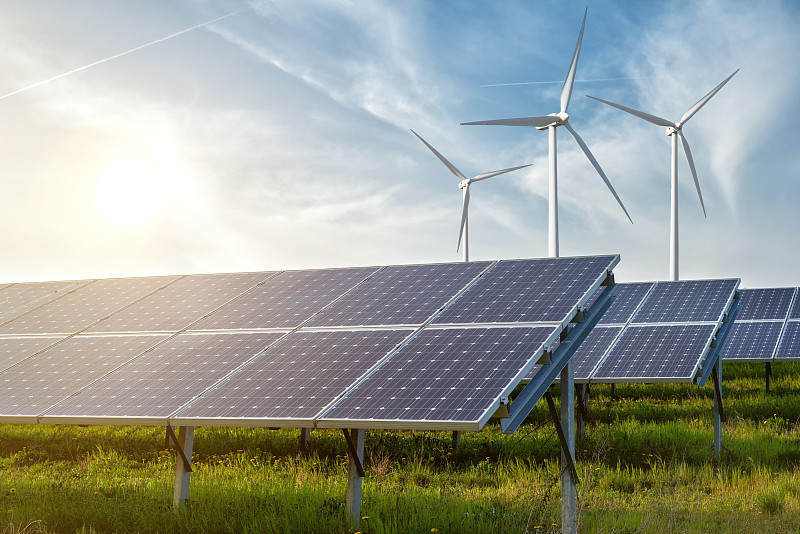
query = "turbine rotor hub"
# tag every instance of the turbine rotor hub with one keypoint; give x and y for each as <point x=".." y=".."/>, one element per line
<point x="672" y="130"/>
<point x="463" y="184"/>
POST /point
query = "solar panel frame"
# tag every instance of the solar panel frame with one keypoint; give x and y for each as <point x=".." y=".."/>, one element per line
<point x="356" y="400"/>
<point x="291" y="350"/>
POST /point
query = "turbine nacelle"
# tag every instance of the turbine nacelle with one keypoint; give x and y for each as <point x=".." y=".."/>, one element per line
<point x="672" y="130"/>
<point x="559" y="119"/>
<point x="463" y="184"/>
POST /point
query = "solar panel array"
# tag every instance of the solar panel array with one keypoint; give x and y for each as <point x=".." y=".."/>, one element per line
<point x="766" y="328"/>
<point x="655" y="332"/>
<point x="408" y="346"/>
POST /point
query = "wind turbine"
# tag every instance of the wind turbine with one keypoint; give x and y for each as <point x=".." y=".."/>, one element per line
<point x="674" y="130"/>
<point x="464" y="186"/>
<point x="550" y="123"/>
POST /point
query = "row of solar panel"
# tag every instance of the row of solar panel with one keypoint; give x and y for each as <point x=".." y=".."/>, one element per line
<point x="442" y="376"/>
<point x="530" y="291"/>
<point x="767" y="327"/>
<point x="655" y="332"/>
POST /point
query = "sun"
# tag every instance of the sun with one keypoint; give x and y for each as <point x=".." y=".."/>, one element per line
<point x="129" y="192"/>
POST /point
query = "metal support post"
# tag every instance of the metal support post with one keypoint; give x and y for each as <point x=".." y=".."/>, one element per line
<point x="716" y="373"/>
<point x="568" y="497"/>
<point x="583" y="408"/>
<point x="355" y="473"/>
<point x="768" y="377"/>
<point x="183" y="466"/>
<point x="305" y="439"/>
<point x="456" y="440"/>
<point x="614" y="390"/>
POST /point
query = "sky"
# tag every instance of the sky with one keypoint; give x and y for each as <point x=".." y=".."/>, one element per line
<point x="235" y="135"/>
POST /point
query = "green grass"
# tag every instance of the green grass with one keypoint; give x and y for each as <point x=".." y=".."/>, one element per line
<point x="646" y="465"/>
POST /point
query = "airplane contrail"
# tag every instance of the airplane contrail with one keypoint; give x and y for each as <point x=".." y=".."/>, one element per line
<point x="559" y="81"/>
<point x="115" y="56"/>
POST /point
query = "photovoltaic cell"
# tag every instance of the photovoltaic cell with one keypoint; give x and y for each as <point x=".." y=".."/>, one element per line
<point x="400" y="295"/>
<point x="687" y="301"/>
<point x="766" y="303"/>
<point x="789" y="347"/>
<point x="592" y="350"/>
<point x="181" y="303"/>
<point x="38" y="383"/>
<point x="15" y="349"/>
<point x="754" y="341"/>
<point x="76" y="310"/>
<point x="440" y="376"/>
<point x="541" y="290"/>
<point x="285" y="300"/>
<point x="627" y="298"/>
<point x="656" y="353"/>
<point x="16" y="299"/>
<point x="795" y="313"/>
<point x="298" y="377"/>
<point x="161" y="381"/>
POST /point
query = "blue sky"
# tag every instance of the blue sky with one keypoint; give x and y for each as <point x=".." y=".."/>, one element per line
<point x="278" y="137"/>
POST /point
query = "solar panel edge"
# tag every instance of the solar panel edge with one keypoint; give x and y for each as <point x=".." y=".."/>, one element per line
<point x="244" y="422"/>
<point x="398" y="424"/>
<point x="101" y="420"/>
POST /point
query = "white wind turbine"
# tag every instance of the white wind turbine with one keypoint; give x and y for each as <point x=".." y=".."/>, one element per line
<point x="674" y="130"/>
<point x="464" y="185"/>
<point x="550" y="123"/>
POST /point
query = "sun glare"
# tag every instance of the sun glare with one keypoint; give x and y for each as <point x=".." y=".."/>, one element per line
<point x="129" y="192"/>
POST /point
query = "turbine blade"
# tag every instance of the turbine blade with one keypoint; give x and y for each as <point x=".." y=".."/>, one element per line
<point x="702" y="102"/>
<point x="641" y="114"/>
<point x="495" y="173"/>
<point x="538" y="122"/>
<point x="464" y="211"/>
<point x="597" y="167"/>
<point x="566" y="91"/>
<point x="442" y="158"/>
<point x="690" y="161"/>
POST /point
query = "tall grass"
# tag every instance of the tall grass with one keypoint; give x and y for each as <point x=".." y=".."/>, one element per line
<point x="646" y="465"/>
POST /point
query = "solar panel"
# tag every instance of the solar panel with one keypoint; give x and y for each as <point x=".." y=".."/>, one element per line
<point x="687" y="301"/>
<point x="16" y="299"/>
<point x="664" y="353"/>
<point x="766" y="303"/>
<point x="541" y="290"/>
<point x="752" y="341"/>
<point x="75" y="311"/>
<point x="443" y="378"/>
<point x="627" y="298"/>
<point x="285" y="300"/>
<point x="38" y="383"/>
<point x="15" y="349"/>
<point x="181" y="303"/>
<point x="795" y="313"/>
<point x="400" y="295"/>
<point x="789" y="347"/>
<point x="159" y="382"/>
<point x="295" y="379"/>
<point x="592" y="350"/>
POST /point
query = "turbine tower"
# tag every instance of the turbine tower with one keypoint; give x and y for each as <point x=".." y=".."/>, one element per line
<point x="550" y="123"/>
<point x="464" y="186"/>
<point x="674" y="130"/>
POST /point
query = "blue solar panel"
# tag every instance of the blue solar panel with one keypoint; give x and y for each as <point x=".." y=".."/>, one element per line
<point x="789" y="347"/>
<point x="453" y="375"/>
<point x="795" y="313"/>
<point x="157" y="383"/>
<point x="666" y="353"/>
<point x="768" y="303"/>
<point x="542" y="290"/>
<point x="285" y="300"/>
<point x="687" y="301"/>
<point x="627" y="297"/>
<point x="298" y="377"/>
<point x="400" y="295"/>
<point x="592" y="350"/>
<point x="752" y="341"/>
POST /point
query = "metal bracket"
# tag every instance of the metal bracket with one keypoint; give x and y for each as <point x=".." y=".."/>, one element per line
<point x="187" y="466"/>
<point x="353" y="454"/>
<point x="573" y="472"/>
<point x="718" y="393"/>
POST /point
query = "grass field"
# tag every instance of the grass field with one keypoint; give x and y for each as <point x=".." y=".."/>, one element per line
<point x="646" y="465"/>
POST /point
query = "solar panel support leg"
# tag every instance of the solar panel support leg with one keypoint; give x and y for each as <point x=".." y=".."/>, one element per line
<point x="768" y="375"/>
<point x="305" y="439"/>
<point x="716" y="373"/>
<point x="355" y="472"/>
<point x="456" y="440"/>
<point x="569" y="475"/>
<point x="183" y="467"/>
<point x="583" y="407"/>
